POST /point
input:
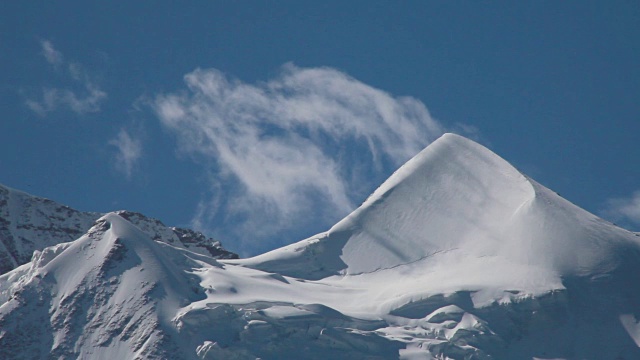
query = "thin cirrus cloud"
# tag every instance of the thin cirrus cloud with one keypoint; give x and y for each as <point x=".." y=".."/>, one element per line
<point x="624" y="208"/>
<point x="53" y="56"/>
<point x="294" y="152"/>
<point x="81" y="96"/>
<point x="128" y="152"/>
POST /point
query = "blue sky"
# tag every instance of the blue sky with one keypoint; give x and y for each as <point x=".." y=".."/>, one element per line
<point x="262" y="123"/>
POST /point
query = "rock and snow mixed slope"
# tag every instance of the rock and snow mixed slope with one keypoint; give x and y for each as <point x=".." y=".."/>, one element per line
<point x="109" y="294"/>
<point x="458" y="255"/>
<point x="29" y="223"/>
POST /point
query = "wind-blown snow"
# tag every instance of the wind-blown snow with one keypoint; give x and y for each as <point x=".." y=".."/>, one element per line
<point x="458" y="255"/>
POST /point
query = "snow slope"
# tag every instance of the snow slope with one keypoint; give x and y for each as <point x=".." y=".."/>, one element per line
<point x="457" y="255"/>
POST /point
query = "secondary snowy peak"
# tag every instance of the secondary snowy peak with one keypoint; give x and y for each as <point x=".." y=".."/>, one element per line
<point x="456" y="200"/>
<point x="184" y="238"/>
<point x="29" y="223"/>
<point x="110" y="294"/>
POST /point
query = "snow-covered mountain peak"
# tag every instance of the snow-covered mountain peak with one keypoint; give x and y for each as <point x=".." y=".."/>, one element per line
<point x="115" y="279"/>
<point x="451" y="163"/>
<point x="454" y="194"/>
<point x="457" y="201"/>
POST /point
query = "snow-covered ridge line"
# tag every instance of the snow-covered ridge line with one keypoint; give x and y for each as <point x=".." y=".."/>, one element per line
<point x="29" y="223"/>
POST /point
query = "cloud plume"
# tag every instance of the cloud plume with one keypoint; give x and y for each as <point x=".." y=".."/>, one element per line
<point x="296" y="152"/>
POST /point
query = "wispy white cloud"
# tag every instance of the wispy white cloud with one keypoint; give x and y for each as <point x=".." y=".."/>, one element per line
<point x="303" y="147"/>
<point x="53" y="56"/>
<point x="624" y="208"/>
<point x="55" y="98"/>
<point x="82" y="96"/>
<point x="129" y="152"/>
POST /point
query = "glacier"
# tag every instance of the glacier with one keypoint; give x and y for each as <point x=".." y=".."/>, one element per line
<point x="458" y="255"/>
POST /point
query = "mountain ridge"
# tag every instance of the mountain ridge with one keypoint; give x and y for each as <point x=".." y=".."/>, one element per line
<point x="29" y="223"/>
<point x="457" y="256"/>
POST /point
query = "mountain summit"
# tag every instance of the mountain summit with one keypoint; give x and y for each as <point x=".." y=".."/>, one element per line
<point x="458" y="200"/>
<point x="457" y="255"/>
